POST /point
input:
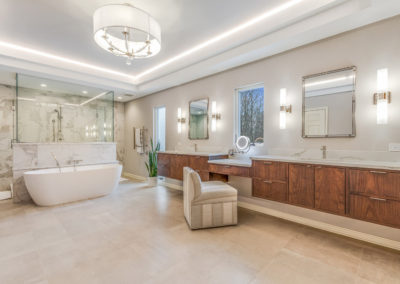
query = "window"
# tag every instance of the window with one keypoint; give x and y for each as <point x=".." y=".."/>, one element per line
<point x="159" y="126"/>
<point x="250" y="113"/>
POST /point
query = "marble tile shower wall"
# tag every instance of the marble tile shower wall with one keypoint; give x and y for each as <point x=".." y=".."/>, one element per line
<point x="7" y="95"/>
<point x="37" y="119"/>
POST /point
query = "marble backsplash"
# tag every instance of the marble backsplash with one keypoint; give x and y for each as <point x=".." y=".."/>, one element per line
<point x="7" y="95"/>
<point x="32" y="156"/>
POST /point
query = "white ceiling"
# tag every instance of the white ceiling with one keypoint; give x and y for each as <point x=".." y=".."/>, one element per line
<point x="64" y="28"/>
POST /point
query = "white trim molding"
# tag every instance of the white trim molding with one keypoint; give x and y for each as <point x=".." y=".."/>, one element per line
<point x="133" y="176"/>
<point x="323" y="226"/>
<point x="5" y="195"/>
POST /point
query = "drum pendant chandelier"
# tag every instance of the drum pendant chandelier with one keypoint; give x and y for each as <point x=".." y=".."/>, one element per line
<point x="126" y="31"/>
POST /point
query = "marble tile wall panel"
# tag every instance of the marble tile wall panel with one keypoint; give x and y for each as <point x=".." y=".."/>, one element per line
<point x="7" y="95"/>
<point x="37" y="117"/>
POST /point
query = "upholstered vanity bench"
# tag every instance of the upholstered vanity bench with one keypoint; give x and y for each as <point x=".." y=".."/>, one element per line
<point x="208" y="204"/>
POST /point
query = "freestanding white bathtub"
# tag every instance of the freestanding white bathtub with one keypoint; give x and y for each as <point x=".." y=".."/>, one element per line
<point x="51" y="187"/>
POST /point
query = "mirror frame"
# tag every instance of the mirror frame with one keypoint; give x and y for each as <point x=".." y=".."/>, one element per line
<point x="208" y="106"/>
<point x="353" y="134"/>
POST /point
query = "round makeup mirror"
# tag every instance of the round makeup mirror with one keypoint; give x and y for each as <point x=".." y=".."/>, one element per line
<point x="243" y="144"/>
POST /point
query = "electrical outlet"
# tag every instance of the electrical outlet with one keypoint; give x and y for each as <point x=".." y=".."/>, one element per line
<point x="394" y="147"/>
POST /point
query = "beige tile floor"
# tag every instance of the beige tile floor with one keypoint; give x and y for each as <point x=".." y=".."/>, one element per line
<point x="139" y="235"/>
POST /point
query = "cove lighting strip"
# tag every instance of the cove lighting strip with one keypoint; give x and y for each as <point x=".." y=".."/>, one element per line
<point x="63" y="59"/>
<point x="186" y="53"/>
<point x="224" y="35"/>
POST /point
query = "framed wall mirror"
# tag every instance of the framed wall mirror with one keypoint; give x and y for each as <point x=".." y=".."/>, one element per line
<point x="329" y="104"/>
<point x="198" y="119"/>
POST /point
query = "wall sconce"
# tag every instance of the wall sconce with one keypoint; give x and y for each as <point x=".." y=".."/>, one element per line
<point x="284" y="108"/>
<point x="181" y="120"/>
<point x="382" y="97"/>
<point x="214" y="116"/>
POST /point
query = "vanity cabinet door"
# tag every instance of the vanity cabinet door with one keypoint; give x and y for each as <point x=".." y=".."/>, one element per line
<point x="270" y="170"/>
<point x="330" y="189"/>
<point x="163" y="164"/>
<point x="378" y="183"/>
<point x="273" y="190"/>
<point x="378" y="210"/>
<point x="198" y="163"/>
<point x="178" y="162"/>
<point x="301" y="185"/>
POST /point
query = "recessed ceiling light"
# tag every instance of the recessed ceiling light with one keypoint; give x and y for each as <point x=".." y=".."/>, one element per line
<point x="43" y="85"/>
<point x="120" y="98"/>
<point x="85" y="92"/>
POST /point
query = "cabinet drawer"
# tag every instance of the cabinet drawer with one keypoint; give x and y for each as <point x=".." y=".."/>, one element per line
<point x="378" y="183"/>
<point x="377" y="210"/>
<point x="270" y="170"/>
<point x="273" y="190"/>
<point x="229" y="170"/>
<point x="198" y="163"/>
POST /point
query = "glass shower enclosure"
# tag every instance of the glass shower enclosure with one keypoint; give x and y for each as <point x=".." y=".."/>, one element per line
<point x="51" y="111"/>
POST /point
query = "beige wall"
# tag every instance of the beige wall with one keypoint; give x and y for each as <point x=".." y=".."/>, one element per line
<point x="369" y="48"/>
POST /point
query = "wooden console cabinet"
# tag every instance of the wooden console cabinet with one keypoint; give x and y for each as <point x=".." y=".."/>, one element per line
<point x="171" y="165"/>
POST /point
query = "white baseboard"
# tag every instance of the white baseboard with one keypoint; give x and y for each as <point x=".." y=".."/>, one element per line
<point x="323" y="226"/>
<point x="135" y="177"/>
<point x="5" y="195"/>
<point x="170" y="185"/>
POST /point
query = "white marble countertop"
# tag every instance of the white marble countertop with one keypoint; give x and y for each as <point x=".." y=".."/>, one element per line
<point x="206" y="154"/>
<point x="232" y="162"/>
<point x="333" y="162"/>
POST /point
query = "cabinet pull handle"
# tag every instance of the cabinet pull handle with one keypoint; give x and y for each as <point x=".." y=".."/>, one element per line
<point x="378" y="199"/>
<point x="308" y="166"/>
<point x="267" y="181"/>
<point x="378" y="172"/>
<point x="318" y="167"/>
<point x="227" y="167"/>
<point x="279" y="181"/>
<point x="267" y="163"/>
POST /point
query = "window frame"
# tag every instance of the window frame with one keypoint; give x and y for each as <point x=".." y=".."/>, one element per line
<point x="236" y="114"/>
<point x="155" y="122"/>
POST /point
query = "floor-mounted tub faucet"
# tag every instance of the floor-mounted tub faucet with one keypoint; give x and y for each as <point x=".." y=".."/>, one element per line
<point x="323" y="149"/>
<point x="55" y="159"/>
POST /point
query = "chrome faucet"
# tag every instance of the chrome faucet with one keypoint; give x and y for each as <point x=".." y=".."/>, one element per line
<point x="55" y="159"/>
<point x="323" y="149"/>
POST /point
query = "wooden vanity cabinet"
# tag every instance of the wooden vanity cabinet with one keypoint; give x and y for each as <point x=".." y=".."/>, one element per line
<point x="330" y="189"/>
<point x="301" y="185"/>
<point x="178" y="162"/>
<point x="270" y="180"/>
<point x="163" y="162"/>
<point x="171" y="165"/>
